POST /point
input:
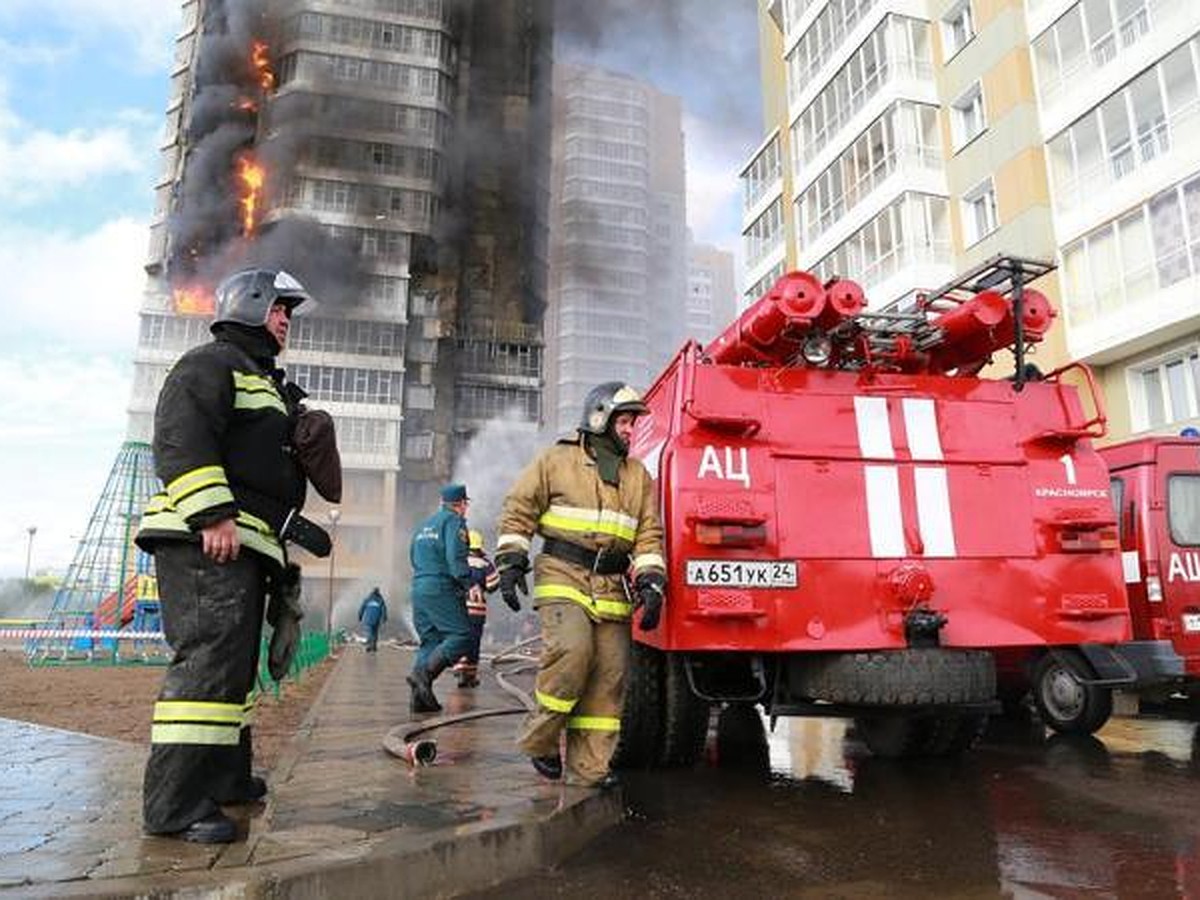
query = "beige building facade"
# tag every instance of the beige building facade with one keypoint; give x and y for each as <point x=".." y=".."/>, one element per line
<point x="928" y="135"/>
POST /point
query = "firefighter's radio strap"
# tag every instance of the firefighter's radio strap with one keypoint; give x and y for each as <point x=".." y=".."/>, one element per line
<point x="601" y="562"/>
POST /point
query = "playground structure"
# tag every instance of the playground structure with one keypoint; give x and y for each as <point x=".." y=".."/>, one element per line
<point x="106" y="610"/>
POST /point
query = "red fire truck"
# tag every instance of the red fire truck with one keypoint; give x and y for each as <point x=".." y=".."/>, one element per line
<point x="858" y="524"/>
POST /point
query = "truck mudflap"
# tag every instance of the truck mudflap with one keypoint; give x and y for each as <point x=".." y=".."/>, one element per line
<point x="1133" y="664"/>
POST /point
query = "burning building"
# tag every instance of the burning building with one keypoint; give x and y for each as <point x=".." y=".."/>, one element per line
<point x="393" y="155"/>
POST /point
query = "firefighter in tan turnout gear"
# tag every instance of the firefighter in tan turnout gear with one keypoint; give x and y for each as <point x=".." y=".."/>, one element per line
<point x="596" y="509"/>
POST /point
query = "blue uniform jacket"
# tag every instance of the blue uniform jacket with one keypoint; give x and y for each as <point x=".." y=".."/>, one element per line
<point x="438" y="553"/>
<point x="373" y="610"/>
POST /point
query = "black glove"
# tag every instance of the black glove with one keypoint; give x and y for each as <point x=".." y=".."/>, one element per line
<point x="284" y="612"/>
<point x="650" y="588"/>
<point x="513" y="566"/>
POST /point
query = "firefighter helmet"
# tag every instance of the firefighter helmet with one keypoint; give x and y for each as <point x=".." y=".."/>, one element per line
<point x="246" y="297"/>
<point x="474" y="540"/>
<point x="607" y="400"/>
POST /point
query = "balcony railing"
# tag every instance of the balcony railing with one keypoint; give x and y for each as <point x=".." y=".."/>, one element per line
<point x="888" y="70"/>
<point x="1154" y="15"/>
<point x="1180" y="130"/>
<point x="900" y="157"/>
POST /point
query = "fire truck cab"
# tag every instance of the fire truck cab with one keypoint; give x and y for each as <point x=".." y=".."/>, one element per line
<point x="1155" y="486"/>
<point x="858" y="524"/>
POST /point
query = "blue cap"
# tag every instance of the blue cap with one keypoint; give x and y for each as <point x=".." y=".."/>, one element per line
<point x="453" y="493"/>
<point x="1190" y="432"/>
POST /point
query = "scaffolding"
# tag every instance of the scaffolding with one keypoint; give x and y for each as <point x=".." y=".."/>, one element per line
<point x="107" y="610"/>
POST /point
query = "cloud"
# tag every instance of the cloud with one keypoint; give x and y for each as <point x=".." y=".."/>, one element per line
<point x="36" y="164"/>
<point x="78" y="293"/>
<point x="146" y="26"/>
<point x="713" y="189"/>
<point x="66" y="418"/>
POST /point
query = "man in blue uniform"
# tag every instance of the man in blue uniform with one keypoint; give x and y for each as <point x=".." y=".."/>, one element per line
<point x="441" y="578"/>
<point x="372" y="614"/>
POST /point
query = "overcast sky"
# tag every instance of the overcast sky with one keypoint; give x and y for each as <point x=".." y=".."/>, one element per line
<point x="83" y="86"/>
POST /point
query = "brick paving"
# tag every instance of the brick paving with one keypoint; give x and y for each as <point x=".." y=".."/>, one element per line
<point x="343" y="818"/>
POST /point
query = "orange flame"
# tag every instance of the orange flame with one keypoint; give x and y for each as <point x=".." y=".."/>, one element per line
<point x="194" y="300"/>
<point x="252" y="177"/>
<point x="262" y="65"/>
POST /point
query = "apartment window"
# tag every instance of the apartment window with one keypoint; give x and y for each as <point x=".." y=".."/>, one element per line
<point x="967" y="119"/>
<point x="958" y="27"/>
<point x="1167" y="390"/>
<point x="979" y="212"/>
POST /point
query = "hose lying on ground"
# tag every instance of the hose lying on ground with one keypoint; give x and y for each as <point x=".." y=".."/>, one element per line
<point x="405" y="741"/>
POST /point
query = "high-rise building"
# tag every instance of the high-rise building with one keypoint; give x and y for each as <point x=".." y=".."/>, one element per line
<point x="402" y="151"/>
<point x="618" y="263"/>
<point x="712" y="296"/>
<point x="908" y="141"/>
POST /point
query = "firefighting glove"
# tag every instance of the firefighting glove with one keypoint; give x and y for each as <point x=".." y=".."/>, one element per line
<point x="513" y="565"/>
<point x="284" y="612"/>
<point x="650" y="587"/>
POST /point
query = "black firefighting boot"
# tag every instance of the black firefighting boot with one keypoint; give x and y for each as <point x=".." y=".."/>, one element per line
<point x="421" y="682"/>
<point x="548" y="766"/>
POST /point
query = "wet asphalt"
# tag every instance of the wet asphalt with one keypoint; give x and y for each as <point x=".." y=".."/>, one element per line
<point x="808" y="812"/>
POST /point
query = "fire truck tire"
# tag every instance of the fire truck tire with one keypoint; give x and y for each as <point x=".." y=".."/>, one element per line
<point x="685" y="722"/>
<point x="1065" y="703"/>
<point x="642" y="713"/>
<point x="910" y="677"/>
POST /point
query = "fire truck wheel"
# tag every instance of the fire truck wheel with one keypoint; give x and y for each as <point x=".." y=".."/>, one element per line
<point x="909" y="677"/>
<point x="1065" y="703"/>
<point x="642" y="715"/>
<point x="685" y="723"/>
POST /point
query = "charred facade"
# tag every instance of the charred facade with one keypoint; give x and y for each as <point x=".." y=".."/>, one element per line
<point x="403" y="152"/>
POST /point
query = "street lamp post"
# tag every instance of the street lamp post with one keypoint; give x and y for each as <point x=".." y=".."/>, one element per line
<point x="334" y="515"/>
<point x="32" y="529"/>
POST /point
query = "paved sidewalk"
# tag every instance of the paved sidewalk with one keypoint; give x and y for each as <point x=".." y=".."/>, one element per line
<point x="344" y="818"/>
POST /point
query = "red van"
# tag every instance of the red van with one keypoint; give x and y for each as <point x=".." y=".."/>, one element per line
<point x="1155" y="487"/>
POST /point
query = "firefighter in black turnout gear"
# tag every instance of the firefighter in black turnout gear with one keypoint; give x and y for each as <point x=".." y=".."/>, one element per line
<point x="223" y="450"/>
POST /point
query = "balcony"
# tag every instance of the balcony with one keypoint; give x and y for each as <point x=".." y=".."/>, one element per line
<point x="1179" y="131"/>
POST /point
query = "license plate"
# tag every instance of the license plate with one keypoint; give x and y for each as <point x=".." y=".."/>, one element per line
<point x="742" y="573"/>
<point x="1191" y="621"/>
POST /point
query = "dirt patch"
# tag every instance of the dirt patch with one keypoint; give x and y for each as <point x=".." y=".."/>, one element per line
<point x="117" y="701"/>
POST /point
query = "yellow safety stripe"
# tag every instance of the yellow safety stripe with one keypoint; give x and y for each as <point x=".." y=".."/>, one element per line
<point x="198" y="490"/>
<point x="256" y="392"/>
<point x="198" y="711"/>
<point x="594" y="723"/>
<point x="646" y="560"/>
<point x="555" y="704"/>
<point x="596" y="521"/>
<point x="503" y="542"/>
<point x="253" y="532"/>
<point x="187" y="733"/>
<point x="614" y="609"/>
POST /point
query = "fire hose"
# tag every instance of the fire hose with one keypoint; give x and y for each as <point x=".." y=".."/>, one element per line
<point x="406" y="742"/>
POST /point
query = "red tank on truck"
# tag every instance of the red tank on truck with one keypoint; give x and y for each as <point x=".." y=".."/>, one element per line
<point x="862" y="522"/>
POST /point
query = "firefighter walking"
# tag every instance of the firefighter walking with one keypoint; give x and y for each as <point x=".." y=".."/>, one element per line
<point x="372" y="613"/>
<point x="222" y="433"/>
<point x="596" y="510"/>
<point x="484" y="580"/>
<point x="441" y="579"/>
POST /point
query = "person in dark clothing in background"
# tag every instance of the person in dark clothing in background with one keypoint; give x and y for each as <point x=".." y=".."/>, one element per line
<point x="222" y="448"/>
<point x="441" y="578"/>
<point x="372" y="613"/>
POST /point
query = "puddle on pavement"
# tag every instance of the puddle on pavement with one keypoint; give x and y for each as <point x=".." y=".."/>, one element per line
<point x="808" y="811"/>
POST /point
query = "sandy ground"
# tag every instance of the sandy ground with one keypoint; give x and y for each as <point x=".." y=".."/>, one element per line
<point x="116" y="701"/>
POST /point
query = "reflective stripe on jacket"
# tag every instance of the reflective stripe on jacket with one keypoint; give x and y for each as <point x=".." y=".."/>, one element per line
<point x="560" y="494"/>
<point x="222" y="435"/>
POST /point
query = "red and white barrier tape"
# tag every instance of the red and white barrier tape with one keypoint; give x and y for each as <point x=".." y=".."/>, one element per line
<point x="73" y="633"/>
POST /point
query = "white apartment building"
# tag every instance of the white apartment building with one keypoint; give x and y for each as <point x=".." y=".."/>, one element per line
<point x="867" y="197"/>
<point x="1117" y="83"/>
